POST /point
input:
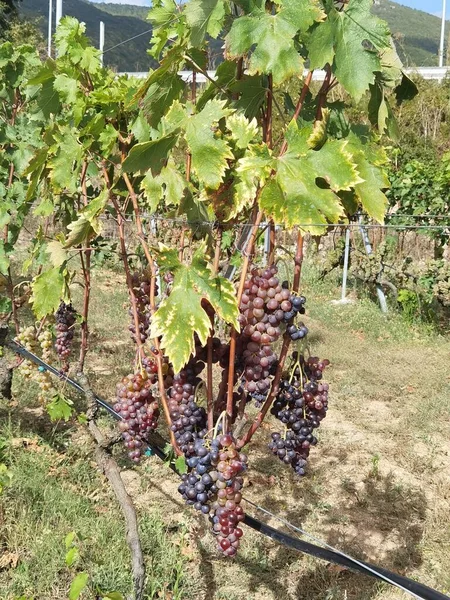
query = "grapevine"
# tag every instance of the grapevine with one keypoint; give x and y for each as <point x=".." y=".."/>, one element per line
<point x="206" y="310"/>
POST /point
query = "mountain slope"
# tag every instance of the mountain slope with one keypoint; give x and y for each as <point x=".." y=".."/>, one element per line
<point x="416" y="33"/>
<point x="131" y="56"/>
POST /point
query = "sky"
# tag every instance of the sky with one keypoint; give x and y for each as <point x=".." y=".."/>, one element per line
<point x="431" y="6"/>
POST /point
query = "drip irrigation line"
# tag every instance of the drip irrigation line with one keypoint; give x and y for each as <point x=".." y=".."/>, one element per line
<point x="322" y="551"/>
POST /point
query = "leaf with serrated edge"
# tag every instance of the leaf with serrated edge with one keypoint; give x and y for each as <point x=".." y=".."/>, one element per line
<point x="181" y="314"/>
<point x="335" y="165"/>
<point x="369" y="192"/>
<point x="149" y="155"/>
<point x="242" y="130"/>
<point x="209" y="153"/>
<point x="204" y="16"/>
<point x="57" y="253"/>
<point x="81" y="230"/>
<point x="47" y="290"/>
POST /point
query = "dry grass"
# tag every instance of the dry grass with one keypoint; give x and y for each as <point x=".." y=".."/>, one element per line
<point x="379" y="481"/>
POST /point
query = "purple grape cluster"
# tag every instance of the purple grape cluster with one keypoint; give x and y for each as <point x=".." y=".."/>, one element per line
<point x="301" y="405"/>
<point x="65" y="320"/>
<point x="214" y="484"/>
<point x="139" y="411"/>
<point x="188" y="419"/>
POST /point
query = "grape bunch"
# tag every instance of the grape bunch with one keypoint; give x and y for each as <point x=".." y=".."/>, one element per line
<point x="301" y="404"/>
<point x="139" y="411"/>
<point x="27" y="337"/>
<point x="214" y="484"/>
<point x="141" y="291"/>
<point x="188" y="419"/>
<point x="65" y="320"/>
<point x="261" y="311"/>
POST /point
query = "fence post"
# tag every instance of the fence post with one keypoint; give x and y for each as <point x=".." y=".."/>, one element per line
<point x="368" y="247"/>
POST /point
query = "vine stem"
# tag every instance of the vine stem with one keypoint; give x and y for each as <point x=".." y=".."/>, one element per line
<point x="86" y="267"/>
<point x="283" y="353"/>
<point x="209" y="359"/>
<point x="323" y="92"/>
<point x="157" y="354"/>
<point x="247" y="254"/>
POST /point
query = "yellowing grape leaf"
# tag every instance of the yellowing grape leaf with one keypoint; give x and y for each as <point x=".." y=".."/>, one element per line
<point x="369" y="191"/>
<point x="181" y="315"/>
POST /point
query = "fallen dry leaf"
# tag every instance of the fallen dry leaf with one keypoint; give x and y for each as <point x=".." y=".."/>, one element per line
<point x="9" y="560"/>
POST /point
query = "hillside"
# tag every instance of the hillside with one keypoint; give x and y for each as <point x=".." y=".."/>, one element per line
<point x="131" y="56"/>
<point x="416" y="32"/>
<point x="124" y="10"/>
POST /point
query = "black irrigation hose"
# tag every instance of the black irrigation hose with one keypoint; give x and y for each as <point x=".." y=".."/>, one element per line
<point x="413" y="587"/>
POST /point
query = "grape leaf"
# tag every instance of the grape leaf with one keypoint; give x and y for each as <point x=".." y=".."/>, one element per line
<point x="369" y="192"/>
<point x="334" y="164"/>
<point x="168" y="185"/>
<point x="47" y="290"/>
<point x="270" y="38"/>
<point x="160" y="96"/>
<point x="253" y="94"/>
<point x="181" y="315"/>
<point x="81" y="231"/>
<point x="204" y="16"/>
<point x="66" y="163"/>
<point x="56" y="252"/>
<point x="67" y="87"/>
<point x="352" y="37"/>
<point x="4" y="259"/>
<point x="209" y="153"/>
<point x="242" y="130"/>
<point x="149" y="155"/>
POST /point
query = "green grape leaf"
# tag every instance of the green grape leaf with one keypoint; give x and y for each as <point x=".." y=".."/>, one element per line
<point x="225" y="74"/>
<point x="252" y="94"/>
<point x="78" y="585"/>
<point x="181" y="315"/>
<point x="67" y="87"/>
<point x="168" y="185"/>
<point x="149" y="155"/>
<point x="369" y="192"/>
<point x="242" y="130"/>
<point x="160" y="96"/>
<point x="4" y="259"/>
<point x="47" y="290"/>
<point x="81" y="231"/>
<point x="345" y="36"/>
<point x="272" y="37"/>
<point x="180" y="465"/>
<point x="141" y="129"/>
<point x="204" y="16"/>
<point x="107" y="139"/>
<point x="66" y="163"/>
<point x="209" y="153"/>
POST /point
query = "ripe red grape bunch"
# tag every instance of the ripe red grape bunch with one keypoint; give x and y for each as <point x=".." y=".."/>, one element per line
<point x="139" y="411"/>
<point x="65" y="320"/>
